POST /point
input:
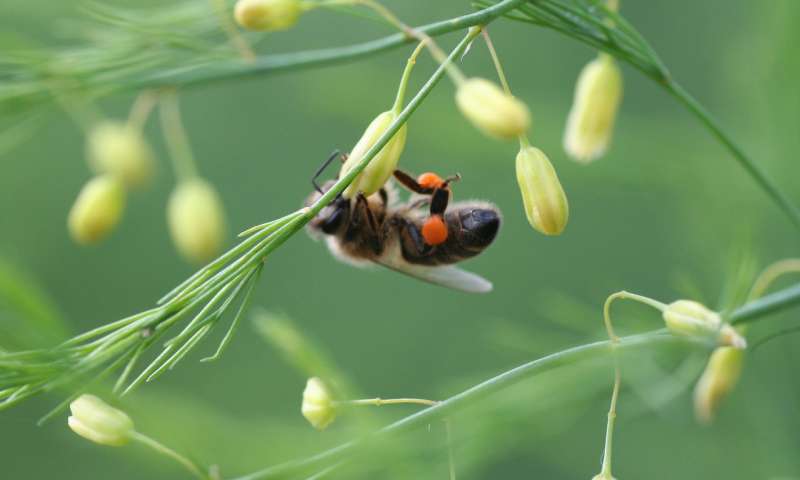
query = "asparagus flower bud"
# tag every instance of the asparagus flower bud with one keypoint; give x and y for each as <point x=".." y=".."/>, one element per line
<point x="318" y="405"/>
<point x="718" y="380"/>
<point x="544" y="199"/>
<point x="591" y="121"/>
<point x="693" y="319"/>
<point x="196" y="220"/>
<point x="99" y="422"/>
<point x="380" y="168"/>
<point x="120" y="150"/>
<point x="268" y="15"/>
<point x="97" y="210"/>
<point x="493" y="111"/>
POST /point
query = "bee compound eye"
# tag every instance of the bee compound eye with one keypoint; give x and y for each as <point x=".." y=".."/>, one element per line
<point x="481" y="224"/>
<point x="434" y="230"/>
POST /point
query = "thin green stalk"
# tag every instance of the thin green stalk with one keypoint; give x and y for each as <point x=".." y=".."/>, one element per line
<point x="166" y="451"/>
<point x="758" y="175"/>
<point x="207" y="74"/>
<point x="449" y="406"/>
<point x="766" y="305"/>
<point x="180" y="152"/>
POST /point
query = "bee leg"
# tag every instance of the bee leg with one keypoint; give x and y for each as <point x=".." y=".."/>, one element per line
<point x="417" y="248"/>
<point x="439" y="200"/>
<point x="372" y="224"/>
<point x="408" y="181"/>
<point x="322" y="169"/>
<point x="384" y="196"/>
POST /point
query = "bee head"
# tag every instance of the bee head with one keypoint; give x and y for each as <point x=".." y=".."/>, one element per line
<point x="479" y="224"/>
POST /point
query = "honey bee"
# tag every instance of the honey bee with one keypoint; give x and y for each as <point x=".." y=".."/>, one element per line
<point x="406" y="237"/>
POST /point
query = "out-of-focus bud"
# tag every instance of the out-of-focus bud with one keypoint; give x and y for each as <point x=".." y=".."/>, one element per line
<point x="380" y="168"/>
<point x="95" y="420"/>
<point x="318" y="405"/>
<point x="268" y="15"/>
<point x="492" y="110"/>
<point x="196" y="220"/>
<point x="591" y="120"/>
<point x="97" y="210"/>
<point x="718" y="380"/>
<point x="693" y="319"/>
<point x="545" y="201"/>
<point x="120" y="150"/>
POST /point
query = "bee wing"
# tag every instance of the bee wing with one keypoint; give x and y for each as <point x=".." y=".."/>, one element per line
<point x="446" y="276"/>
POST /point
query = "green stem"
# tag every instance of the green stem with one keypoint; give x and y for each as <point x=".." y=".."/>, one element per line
<point x="166" y="451"/>
<point x="752" y="169"/>
<point x="223" y="71"/>
<point x="447" y="407"/>
<point x="766" y="305"/>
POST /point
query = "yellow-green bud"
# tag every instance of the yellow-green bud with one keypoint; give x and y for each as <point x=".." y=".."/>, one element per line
<point x="594" y="109"/>
<point x="492" y="110"/>
<point x="692" y="319"/>
<point x="97" y="210"/>
<point x="718" y="380"/>
<point x="120" y="150"/>
<point x="545" y="201"/>
<point x="196" y="220"/>
<point x="318" y="406"/>
<point x="267" y="15"/>
<point x="381" y="167"/>
<point x="95" y="420"/>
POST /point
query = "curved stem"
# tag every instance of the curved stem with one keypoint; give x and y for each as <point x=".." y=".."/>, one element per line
<point x="623" y="295"/>
<point x="752" y="169"/>
<point x="447" y="407"/>
<point x="772" y="273"/>
<point x="164" y="450"/>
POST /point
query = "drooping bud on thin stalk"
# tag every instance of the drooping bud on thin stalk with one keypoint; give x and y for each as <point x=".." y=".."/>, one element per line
<point x="318" y="404"/>
<point x="543" y="197"/>
<point x="121" y="150"/>
<point x="718" y="379"/>
<point x="97" y="210"/>
<point x="590" y="123"/>
<point x="196" y="220"/>
<point x="383" y="164"/>
<point x="95" y="420"/>
<point x="269" y="15"/>
<point x="491" y="110"/>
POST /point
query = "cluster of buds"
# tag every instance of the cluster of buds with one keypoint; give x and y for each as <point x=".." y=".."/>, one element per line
<point x="121" y="159"/>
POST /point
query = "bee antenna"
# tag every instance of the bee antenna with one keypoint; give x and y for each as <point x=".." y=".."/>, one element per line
<point x="453" y="178"/>
<point x="322" y="169"/>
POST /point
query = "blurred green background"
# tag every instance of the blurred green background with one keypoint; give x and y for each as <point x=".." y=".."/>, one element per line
<point x="662" y="214"/>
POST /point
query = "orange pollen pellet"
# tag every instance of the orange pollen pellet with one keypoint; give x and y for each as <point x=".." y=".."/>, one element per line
<point x="434" y="230"/>
<point x="430" y="180"/>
